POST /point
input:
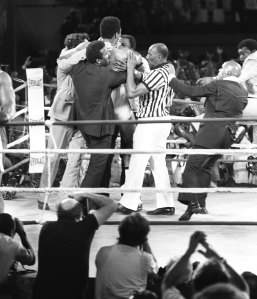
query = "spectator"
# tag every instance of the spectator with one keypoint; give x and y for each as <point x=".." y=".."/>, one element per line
<point x="251" y="280"/>
<point x="238" y="11"/>
<point x="145" y="294"/>
<point x="70" y="24"/>
<point x="123" y="267"/>
<point x="181" y="271"/>
<point x="64" y="247"/>
<point x="247" y="50"/>
<point x="214" y="270"/>
<point x="11" y="251"/>
<point x="221" y="291"/>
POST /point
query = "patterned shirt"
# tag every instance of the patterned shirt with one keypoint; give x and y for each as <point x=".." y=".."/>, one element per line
<point x="154" y="103"/>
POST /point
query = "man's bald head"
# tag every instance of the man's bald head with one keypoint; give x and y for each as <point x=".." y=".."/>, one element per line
<point x="69" y="208"/>
<point x="229" y="68"/>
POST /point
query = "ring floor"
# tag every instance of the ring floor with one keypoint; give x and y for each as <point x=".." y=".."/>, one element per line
<point x="236" y="243"/>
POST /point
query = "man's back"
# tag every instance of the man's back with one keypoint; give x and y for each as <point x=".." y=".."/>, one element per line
<point x="120" y="270"/>
<point x="93" y="85"/>
<point x="228" y="99"/>
<point x="63" y="257"/>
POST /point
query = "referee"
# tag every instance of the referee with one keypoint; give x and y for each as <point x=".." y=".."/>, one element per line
<point x="154" y="93"/>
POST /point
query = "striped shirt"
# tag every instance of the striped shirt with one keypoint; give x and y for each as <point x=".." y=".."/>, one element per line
<point x="154" y="103"/>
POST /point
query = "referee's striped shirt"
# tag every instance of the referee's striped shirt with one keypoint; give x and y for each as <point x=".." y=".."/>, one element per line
<point x="154" y="103"/>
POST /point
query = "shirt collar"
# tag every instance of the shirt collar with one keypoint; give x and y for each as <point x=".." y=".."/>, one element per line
<point x="159" y="65"/>
<point x="232" y="78"/>
<point x="252" y="56"/>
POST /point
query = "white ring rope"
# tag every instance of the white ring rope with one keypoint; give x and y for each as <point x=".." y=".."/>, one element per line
<point x="18" y="141"/>
<point x="148" y="190"/>
<point x="176" y="151"/>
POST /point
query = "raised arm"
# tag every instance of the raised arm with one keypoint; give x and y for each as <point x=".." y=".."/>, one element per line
<point x="235" y="278"/>
<point x="71" y="57"/>
<point x="176" y="272"/>
<point x="26" y="255"/>
<point x="133" y="90"/>
<point x="192" y="91"/>
<point x="106" y="205"/>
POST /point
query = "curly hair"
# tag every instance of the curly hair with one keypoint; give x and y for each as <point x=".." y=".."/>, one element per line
<point x="93" y="51"/>
<point x="250" y="44"/>
<point x="72" y="40"/>
<point x="109" y="26"/>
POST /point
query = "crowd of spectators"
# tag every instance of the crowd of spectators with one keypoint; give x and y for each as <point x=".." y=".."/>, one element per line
<point x="154" y="16"/>
<point x="128" y="269"/>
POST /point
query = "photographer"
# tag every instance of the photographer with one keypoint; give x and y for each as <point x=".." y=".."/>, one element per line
<point x="125" y="266"/>
<point x="11" y="251"/>
<point x="64" y="246"/>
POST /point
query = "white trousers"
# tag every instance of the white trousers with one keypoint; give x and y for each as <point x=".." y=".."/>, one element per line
<point x="251" y="111"/>
<point x="148" y="137"/>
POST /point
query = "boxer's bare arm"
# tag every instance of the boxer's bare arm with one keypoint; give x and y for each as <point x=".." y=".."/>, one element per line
<point x="7" y="95"/>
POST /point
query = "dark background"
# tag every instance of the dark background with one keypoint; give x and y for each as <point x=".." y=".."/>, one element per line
<point x="37" y="27"/>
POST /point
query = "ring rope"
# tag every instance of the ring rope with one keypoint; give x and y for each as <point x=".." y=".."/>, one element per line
<point x="139" y="121"/>
<point x="167" y="222"/>
<point x="230" y="152"/>
<point x="148" y="190"/>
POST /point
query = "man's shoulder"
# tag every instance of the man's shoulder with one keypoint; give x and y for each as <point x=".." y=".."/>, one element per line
<point x="4" y="77"/>
<point x="6" y="242"/>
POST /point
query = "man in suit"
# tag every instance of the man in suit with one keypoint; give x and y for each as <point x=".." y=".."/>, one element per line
<point x="94" y="81"/>
<point x="225" y="97"/>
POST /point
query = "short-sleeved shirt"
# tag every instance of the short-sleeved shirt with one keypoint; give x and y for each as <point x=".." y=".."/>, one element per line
<point x="93" y="86"/>
<point x="120" y="270"/>
<point x="63" y="257"/>
<point x="154" y="103"/>
<point x="11" y="250"/>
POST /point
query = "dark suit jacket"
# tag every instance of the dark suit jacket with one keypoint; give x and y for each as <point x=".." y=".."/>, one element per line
<point x="224" y="98"/>
<point x="93" y="86"/>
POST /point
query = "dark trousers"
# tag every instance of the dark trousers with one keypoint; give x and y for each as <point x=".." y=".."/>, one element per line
<point x="126" y="142"/>
<point x="197" y="174"/>
<point x="99" y="169"/>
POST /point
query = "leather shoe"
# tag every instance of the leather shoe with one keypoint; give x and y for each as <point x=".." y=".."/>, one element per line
<point x="40" y="205"/>
<point x="203" y="210"/>
<point x="127" y="211"/>
<point x="162" y="211"/>
<point x="190" y="211"/>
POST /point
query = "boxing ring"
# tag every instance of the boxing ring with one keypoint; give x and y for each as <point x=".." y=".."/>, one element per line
<point x="246" y="149"/>
<point x="234" y="235"/>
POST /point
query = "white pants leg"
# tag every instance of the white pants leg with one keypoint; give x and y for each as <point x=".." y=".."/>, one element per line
<point x="71" y="175"/>
<point x="148" y="137"/>
<point x="62" y="136"/>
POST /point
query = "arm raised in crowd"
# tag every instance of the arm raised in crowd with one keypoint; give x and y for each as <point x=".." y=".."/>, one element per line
<point x="26" y="255"/>
<point x="235" y="278"/>
<point x="106" y="205"/>
<point x="176" y="272"/>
